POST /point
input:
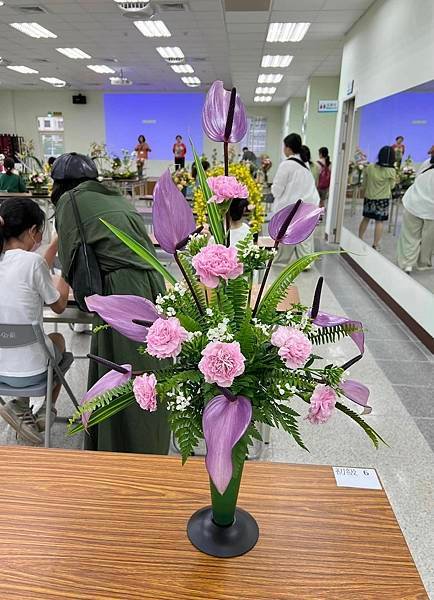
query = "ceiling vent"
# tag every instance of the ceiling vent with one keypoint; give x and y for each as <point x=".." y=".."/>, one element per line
<point x="243" y="6"/>
<point x="29" y="10"/>
<point x="173" y="7"/>
<point x="198" y="59"/>
<point x="135" y="8"/>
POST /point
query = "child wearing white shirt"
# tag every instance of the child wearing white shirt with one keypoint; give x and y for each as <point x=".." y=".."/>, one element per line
<point x="26" y="285"/>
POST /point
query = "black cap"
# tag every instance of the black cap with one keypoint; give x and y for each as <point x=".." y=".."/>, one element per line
<point x="74" y="166"/>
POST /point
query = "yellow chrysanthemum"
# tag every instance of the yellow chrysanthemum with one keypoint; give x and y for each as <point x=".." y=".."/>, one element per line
<point x="243" y="175"/>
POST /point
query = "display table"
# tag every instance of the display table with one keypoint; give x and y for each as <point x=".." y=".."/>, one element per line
<point x="103" y="526"/>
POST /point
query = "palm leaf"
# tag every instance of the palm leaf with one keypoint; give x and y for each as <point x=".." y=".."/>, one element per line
<point x="141" y="251"/>
<point x="277" y="291"/>
<point x="214" y="217"/>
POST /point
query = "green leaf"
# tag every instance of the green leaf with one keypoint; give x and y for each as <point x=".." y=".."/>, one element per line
<point x="237" y="292"/>
<point x="277" y="291"/>
<point x="188" y="323"/>
<point x="246" y="337"/>
<point x="373" y="435"/>
<point x="214" y="216"/>
<point x="331" y="335"/>
<point x="241" y="448"/>
<point x="187" y="429"/>
<point x="141" y="251"/>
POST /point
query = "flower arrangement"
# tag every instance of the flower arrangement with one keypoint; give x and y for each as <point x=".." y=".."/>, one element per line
<point x="38" y="180"/>
<point x="406" y="173"/>
<point x="236" y="363"/>
<point x="242" y="173"/>
<point x="122" y="167"/>
<point x="182" y="179"/>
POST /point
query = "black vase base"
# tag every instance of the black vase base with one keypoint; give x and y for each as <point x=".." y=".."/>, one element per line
<point x="223" y="542"/>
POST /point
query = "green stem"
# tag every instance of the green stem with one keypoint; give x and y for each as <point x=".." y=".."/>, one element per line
<point x="224" y="505"/>
<point x="190" y="286"/>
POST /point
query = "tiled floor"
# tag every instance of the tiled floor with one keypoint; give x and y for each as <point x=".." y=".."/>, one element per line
<point x="400" y="374"/>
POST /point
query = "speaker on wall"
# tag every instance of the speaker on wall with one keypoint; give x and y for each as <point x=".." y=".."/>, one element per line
<point x="79" y="99"/>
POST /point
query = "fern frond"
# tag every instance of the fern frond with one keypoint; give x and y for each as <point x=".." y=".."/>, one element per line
<point x="241" y="448"/>
<point x="372" y="434"/>
<point x="187" y="429"/>
<point x="330" y="335"/>
<point x="237" y="292"/>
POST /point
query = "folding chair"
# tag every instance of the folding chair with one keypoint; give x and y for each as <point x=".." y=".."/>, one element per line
<point x="18" y="336"/>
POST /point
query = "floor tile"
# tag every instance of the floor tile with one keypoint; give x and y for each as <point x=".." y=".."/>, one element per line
<point x="426" y="426"/>
<point x="419" y="401"/>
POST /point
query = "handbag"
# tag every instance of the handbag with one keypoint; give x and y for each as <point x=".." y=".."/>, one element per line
<point x="84" y="275"/>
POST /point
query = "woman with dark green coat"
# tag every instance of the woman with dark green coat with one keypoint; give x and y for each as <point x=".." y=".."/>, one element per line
<point x="132" y="430"/>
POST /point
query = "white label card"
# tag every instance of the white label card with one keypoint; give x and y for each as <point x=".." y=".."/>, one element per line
<point x="357" y="478"/>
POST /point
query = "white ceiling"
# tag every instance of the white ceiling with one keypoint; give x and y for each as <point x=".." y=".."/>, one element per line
<point x="219" y="44"/>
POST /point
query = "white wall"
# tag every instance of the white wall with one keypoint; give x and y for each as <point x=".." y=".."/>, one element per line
<point x="389" y="50"/>
<point x="320" y="127"/>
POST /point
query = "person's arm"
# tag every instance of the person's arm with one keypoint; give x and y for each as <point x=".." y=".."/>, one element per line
<point x="149" y="149"/>
<point x="51" y="251"/>
<point x="63" y="288"/>
<point x="173" y="148"/>
<point x="54" y="290"/>
<point x="184" y="150"/>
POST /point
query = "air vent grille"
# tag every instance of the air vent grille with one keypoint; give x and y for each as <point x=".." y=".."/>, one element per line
<point x="173" y="7"/>
<point x="30" y="10"/>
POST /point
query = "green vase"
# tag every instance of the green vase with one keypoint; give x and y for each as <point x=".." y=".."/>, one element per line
<point x="223" y="530"/>
<point x="224" y="505"/>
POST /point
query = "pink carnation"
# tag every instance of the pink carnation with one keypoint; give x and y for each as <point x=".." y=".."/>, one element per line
<point x="322" y="403"/>
<point x="216" y="261"/>
<point x="144" y="392"/>
<point x="294" y="346"/>
<point x="165" y="337"/>
<point x="225" y="188"/>
<point x="221" y="363"/>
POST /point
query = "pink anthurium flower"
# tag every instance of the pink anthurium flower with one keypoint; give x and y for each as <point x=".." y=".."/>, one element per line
<point x="355" y="391"/>
<point x="172" y="217"/>
<point x="301" y="225"/>
<point x="110" y="380"/>
<point x="224" y="423"/>
<point x="215" y="115"/>
<point x="119" y="311"/>
<point x="325" y="320"/>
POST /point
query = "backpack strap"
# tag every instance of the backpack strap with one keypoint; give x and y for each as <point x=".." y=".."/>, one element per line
<point x="298" y="161"/>
<point x="77" y="216"/>
<point x="429" y="169"/>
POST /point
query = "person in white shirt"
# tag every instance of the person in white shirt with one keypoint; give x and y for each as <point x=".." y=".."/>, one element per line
<point x="426" y="163"/>
<point x="416" y="239"/>
<point x="26" y="285"/>
<point x="238" y="228"/>
<point x="293" y="181"/>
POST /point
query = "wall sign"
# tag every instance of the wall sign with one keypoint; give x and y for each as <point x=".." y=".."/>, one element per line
<point x="328" y="105"/>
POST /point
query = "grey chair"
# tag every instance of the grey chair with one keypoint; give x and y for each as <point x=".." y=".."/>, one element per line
<point x="18" y="336"/>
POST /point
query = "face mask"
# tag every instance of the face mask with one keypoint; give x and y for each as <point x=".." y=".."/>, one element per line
<point x="36" y="245"/>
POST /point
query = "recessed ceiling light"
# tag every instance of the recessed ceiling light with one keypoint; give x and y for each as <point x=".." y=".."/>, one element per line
<point x="22" y="69"/>
<point x="54" y="81"/>
<point x="168" y="52"/>
<point x="276" y="61"/>
<point x="182" y="68"/>
<point x="75" y="53"/>
<point x="287" y="32"/>
<point x="270" y="78"/>
<point x="265" y="90"/>
<point x="100" y="69"/>
<point x="262" y="99"/>
<point x="34" y="30"/>
<point x="152" y="28"/>
<point x="191" y="81"/>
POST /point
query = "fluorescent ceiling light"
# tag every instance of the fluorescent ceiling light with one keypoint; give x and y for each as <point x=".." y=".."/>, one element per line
<point x="54" y="81"/>
<point x="287" y="32"/>
<point x="265" y="90"/>
<point x="100" y="69"/>
<point x="152" y="28"/>
<point x="262" y="99"/>
<point x="276" y="61"/>
<point x="75" y="53"/>
<point x="270" y="78"/>
<point x="22" y="69"/>
<point x="191" y="81"/>
<point x="34" y="30"/>
<point x="182" y="68"/>
<point x="169" y="52"/>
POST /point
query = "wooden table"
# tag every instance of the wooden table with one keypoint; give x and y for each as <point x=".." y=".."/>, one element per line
<point x="103" y="526"/>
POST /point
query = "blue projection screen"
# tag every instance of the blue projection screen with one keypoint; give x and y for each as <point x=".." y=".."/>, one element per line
<point x="159" y="117"/>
